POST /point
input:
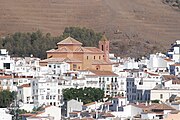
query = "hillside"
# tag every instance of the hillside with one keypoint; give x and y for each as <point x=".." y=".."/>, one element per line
<point x="133" y="26"/>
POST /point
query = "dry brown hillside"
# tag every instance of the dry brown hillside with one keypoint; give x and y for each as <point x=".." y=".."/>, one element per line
<point x="134" y="26"/>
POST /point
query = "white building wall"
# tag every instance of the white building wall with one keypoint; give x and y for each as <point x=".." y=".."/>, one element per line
<point x="53" y="111"/>
<point x="163" y="95"/>
<point x="4" y="115"/>
<point x="131" y="111"/>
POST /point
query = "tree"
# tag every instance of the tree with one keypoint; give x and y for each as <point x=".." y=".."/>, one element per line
<point x="87" y="36"/>
<point x="86" y="95"/>
<point x="36" y="43"/>
<point x="6" y="98"/>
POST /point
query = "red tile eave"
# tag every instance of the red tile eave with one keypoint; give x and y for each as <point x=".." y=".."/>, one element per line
<point x="102" y="64"/>
<point x="175" y="65"/>
<point x="74" y="62"/>
<point x="5" y="77"/>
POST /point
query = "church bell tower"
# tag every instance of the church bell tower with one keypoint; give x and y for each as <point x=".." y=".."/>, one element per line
<point x="104" y="46"/>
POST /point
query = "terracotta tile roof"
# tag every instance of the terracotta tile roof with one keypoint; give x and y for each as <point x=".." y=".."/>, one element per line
<point x="72" y="60"/>
<point x="143" y="105"/>
<point x="162" y="107"/>
<point x="108" y="115"/>
<point x="92" y="103"/>
<point x="119" y="97"/>
<point x="169" y="77"/>
<point x="91" y="75"/>
<point x="61" y="49"/>
<point x="74" y="112"/>
<point x="87" y="119"/>
<point x="5" y="76"/>
<point x="82" y="49"/>
<point x="83" y="119"/>
<point x="169" y="60"/>
<point x="24" y="85"/>
<point x="175" y="64"/>
<point x="53" y="60"/>
<point x="69" y="40"/>
<point x="94" y="49"/>
<point x="52" y="50"/>
<point x="27" y="114"/>
<point x="152" y="74"/>
<point x="107" y="103"/>
<point x="103" y="73"/>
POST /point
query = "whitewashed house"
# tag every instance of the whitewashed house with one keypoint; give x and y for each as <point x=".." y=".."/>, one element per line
<point x="46" y="91"/>
<point x="49" y="113"/>
<point x="6" y="63"/>
<point x="4" y="114"/>
<point x="24" y="93"/>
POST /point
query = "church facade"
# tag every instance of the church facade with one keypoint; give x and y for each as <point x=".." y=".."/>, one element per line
<point x="81" y="58"/>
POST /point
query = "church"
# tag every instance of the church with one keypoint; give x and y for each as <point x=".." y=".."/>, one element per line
<point x="81" y="58"/>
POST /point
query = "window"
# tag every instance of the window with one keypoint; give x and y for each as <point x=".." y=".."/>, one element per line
<point x="111" y="79"/>
<point x="99" y="57"/>
<point x="161" y="96"/>
<point x="47" y="97"/>
<point x="54" y="97"/>
<point x="94" y="57"/>
<point x="49" y="66"/>
<point x="115" y="79"/>
<point x="74" y="66"/>
<point x="6" y="65"/>
<point x="87" y="57"/>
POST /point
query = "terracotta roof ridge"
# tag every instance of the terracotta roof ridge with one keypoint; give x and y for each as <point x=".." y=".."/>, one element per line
<point x="69" y="40"/>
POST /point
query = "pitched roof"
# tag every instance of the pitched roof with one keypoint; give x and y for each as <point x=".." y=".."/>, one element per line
<point x="152" y="74"/>
<point x="69" y="40"/>
<point x="25" y="85"/>
<point x="72" y="60"/>
<point x="169" y="77"/>
<point x="162" y="107"/>
<point x="82" y="49"/>
<point x="168" y="60"/>
<point x="143" y="105"/>
<point x="108" y="115"/>
<point x="53" y="60"/>
<point x="104" y="38"/>
<point x="59" y="60"/>
<point x="92" y="103"/>
<point x="176" y="64"/>
<point x="103" y="73"/>
<point x="5" y="76"/>
<point x="120" y="97"/>
<point x="94" y="49"/>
